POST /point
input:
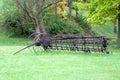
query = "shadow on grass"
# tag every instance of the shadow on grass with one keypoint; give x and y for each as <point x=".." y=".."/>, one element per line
<point x="65" y="52"/>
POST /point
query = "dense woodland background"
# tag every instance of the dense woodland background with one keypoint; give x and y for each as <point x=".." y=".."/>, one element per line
<point x="23" y="17"/>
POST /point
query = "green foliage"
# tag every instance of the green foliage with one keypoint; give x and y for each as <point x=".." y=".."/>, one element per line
<point x="64" y="26"/>
<point x="82" y="20"/>
<point x="29" y="27"/>
<point x="72" y="27"/>
<point x="14" y="28"/>
<point x="8" y="9"/>
<point x="56" y="27"/>
<point x="1" y="3"/>
<point x="12" y="20"/>
<point x="61" y="26"/>
<point x="102" y="11"/>
<point x="81" y="6"/>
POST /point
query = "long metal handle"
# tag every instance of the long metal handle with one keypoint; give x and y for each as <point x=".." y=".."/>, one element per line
<point x="24" y="48"/>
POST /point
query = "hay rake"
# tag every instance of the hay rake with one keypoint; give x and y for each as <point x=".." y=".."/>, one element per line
<point x="70" y="42"/>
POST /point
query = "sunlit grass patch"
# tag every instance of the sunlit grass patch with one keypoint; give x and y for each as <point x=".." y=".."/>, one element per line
<point x="57" y="65"/>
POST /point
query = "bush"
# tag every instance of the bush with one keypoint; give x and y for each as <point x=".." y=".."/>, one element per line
<point x="72" y="27"/>
<point x="56" y="27"/>
<point x="63" y="26"/>
<point x="14" y="27"/>
<point x="82" y="21"/>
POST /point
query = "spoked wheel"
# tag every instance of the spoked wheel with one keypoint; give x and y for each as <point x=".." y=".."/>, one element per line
<point x="36" y="49"/>
<point x="108" y="51"/>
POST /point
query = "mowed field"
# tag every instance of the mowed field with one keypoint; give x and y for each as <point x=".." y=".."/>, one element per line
<point x="57" y="65"/>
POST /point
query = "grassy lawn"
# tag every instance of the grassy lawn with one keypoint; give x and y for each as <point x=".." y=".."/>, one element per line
<point x="101" y="30"/>
<point x="58" y="65"/>
<point x="7" y="41"/>
<point x="55" y="65"/>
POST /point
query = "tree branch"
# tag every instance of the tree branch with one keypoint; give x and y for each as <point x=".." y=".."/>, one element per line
<point x="24" y="8"/>
<point x="50" y="5"/>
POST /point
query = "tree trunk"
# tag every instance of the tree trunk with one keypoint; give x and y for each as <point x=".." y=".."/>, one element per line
<point x="115" y="30"/>
<point x="37" y="29"/>
<point x="118" y="42"/>
<point x="76" y="10"/>
<point x="56" y="16"/>
<point x="70" y="8"/>
<point x="43" y="27"/>
<point x="36" y="24"/>
<point x="115" y="27"/>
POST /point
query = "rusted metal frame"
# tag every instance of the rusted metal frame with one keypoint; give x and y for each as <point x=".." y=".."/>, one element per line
<point x="88" y="41"/>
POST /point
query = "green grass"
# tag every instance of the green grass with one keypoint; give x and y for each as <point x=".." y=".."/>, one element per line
<point x="6" y="40"/>
<point x="13" y="41"/>
<point x="104" y="30"/>
<point x="57" y="65"/>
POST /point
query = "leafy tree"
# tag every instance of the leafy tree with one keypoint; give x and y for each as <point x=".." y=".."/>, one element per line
<point x="56" y="15"/>
<point x="62" y="6"/>
<point x="34" y="9"/>
<point x="102" y="11"/>
<point x="8" y="9"/>
<point x="81" y="5"/>
<point x="14" y="20"/>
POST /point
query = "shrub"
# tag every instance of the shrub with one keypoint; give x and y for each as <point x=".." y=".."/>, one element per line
<point x="14" y="27"/>
<point x="72" y="27"/>
<point x="56" y="27"/>
<point x="82" y="21"/>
